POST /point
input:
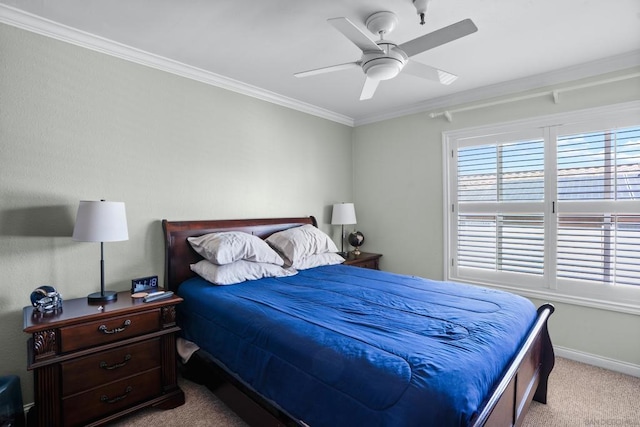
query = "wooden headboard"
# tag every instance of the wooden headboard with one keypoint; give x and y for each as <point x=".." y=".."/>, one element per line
<point x="179" y="254"/>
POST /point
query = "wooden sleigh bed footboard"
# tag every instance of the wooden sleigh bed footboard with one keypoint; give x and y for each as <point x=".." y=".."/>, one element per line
<point x="523" y="380"/>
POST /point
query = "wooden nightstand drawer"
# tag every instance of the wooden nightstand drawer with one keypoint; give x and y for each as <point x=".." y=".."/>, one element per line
<point x="110" y="398"/>
<point x="372" y="264"/>
<point x="364" y="260"/>
<point x="108" y="330"/>
<point x="101" y="368"/>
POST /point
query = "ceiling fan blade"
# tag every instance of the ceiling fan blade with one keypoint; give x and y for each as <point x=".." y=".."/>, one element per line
<point x="421" y="70"/>
<point x="439" y="37"/>
<point x="328" y="69"/>
<point x="355" y="34"/>
<point x="369" y="88"/>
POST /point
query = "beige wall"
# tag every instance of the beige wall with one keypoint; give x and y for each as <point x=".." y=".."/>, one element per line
<point x="76" y="124"/>
<point x="398" y="192"/>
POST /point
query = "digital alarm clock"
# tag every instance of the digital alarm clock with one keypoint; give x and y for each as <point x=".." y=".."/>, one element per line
<point x="144" y="284"/>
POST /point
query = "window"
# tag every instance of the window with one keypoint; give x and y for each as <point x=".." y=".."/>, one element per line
<point x="596" y="173"/>
<point x="548" y="208"/>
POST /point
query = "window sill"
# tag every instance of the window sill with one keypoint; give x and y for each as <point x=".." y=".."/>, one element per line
<point x="556" y="296"/>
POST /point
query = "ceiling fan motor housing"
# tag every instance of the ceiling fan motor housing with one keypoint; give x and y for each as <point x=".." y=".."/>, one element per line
<point x="383" y="65"/>
<point x="382" y="23"/>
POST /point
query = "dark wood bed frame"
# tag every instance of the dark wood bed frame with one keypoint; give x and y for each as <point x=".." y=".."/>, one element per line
<point x="524" y="380"/>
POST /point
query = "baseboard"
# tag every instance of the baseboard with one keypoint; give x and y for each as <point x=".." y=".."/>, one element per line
<point x="599" y="361"/>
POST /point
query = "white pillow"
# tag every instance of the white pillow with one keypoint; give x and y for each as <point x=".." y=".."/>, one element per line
<point x="228" y="246"/>
<point x="238" y="271"/>
<point x="329" y="258"/>
<point x="297" y="243"/>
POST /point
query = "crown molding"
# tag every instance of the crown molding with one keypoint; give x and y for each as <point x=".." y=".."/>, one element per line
<point x="581" y="71"/>
<point x="26" y="21"/>
<point x="21" y="19"/>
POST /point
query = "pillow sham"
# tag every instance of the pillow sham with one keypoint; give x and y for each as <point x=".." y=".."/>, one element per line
<point x="237" y="272"/>
<point x="226" y="247"/>
<point x="297" y="243"/>
<point x="317" y="260"/>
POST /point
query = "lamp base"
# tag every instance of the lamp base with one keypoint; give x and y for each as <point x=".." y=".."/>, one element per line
<point x="102" y="297"/>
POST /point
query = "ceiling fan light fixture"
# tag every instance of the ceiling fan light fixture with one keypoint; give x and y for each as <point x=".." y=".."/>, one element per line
<point x="382" y="68"/>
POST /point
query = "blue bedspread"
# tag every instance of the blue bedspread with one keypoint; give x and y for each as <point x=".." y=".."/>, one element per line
<point x="346" y="346"/>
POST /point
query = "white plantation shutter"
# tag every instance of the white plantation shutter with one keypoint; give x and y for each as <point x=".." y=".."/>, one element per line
<point x="501" y="172"/>
<point x="559" y="211"/>
<point x="604" y="248"/>
<point x="502" y="242"/>
<point x="477" y="241"/>
<point x="496" y="179"/>
<point x="599" y="172"/>
<point x="599" y="166"/>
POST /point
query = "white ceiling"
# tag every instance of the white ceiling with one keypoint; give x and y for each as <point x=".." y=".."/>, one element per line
<point x="255" y="46"/>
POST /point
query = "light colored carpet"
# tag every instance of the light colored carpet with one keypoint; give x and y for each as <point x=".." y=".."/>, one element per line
<point x="201" y="409"/>
<point x="579" y="395"/>
<point x="585" y="395"/>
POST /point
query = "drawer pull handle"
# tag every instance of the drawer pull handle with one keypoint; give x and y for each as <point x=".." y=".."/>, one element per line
<point x="104" y="365"/>
<point x="104" y="330"/>
<point x="106" y="399"/>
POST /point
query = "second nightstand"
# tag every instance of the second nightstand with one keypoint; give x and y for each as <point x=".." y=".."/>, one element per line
<point x="364" y="260"/>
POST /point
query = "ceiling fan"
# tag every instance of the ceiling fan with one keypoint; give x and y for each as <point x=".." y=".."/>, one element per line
<point x="383" y="59"/>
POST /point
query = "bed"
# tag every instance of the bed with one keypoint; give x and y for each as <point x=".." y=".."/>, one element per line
<point x="279" y="360"/>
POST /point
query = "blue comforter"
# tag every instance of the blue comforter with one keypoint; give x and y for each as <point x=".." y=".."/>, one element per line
<point x="345" y="346"/>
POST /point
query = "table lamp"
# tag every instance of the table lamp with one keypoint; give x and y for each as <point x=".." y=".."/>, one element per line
<point x="101" y="221"/>
<point x="343" y="213"/>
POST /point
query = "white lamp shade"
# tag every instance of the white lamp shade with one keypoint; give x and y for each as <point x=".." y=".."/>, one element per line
<point x="343" y="213"/>
<point x="100" y="221"/>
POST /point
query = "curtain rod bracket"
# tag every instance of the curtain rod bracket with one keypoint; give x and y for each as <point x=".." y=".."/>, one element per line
<point x="448" y="115"/>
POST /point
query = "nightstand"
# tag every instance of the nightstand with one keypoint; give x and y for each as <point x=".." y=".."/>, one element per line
<point x="94" y="363"/>
<point x="364" y="260"/>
